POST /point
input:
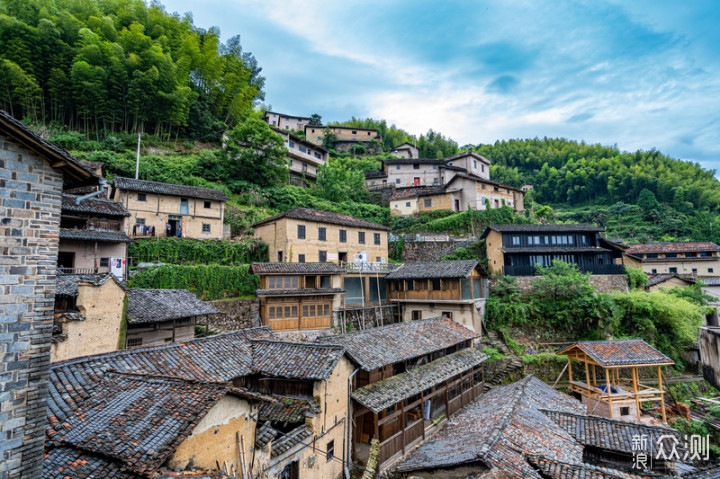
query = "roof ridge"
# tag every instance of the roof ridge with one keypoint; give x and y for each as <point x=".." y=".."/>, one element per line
<point x="122" y="178"/>
<point x="606" y="419"/>
<point x="387" y="326"/>
<point x="147" y="375"/>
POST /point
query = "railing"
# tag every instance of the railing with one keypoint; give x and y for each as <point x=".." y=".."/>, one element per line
<point x="361" y="267"/>
<point x="526" y="270"/>
<point x="77" y="270"/>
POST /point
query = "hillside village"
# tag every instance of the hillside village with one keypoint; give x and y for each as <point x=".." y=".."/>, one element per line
<point x="341" y="356"/>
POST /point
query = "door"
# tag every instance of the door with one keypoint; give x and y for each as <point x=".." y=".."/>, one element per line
<point x="66" y="260"/>
<point x="291" y="471"/>
<point x="457" y="205"/>
<point x="342" y="256"/>
<point x="174" y="226"/>
<point x="184" y="209"/>
<point x="416" y="181"/>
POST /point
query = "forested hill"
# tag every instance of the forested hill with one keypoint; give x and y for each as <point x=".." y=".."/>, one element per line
<point x="121" y="66"/>
<point x="643" y="195"/>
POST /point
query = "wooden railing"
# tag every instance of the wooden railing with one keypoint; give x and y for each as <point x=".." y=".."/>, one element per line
<point x="77" y="270"/>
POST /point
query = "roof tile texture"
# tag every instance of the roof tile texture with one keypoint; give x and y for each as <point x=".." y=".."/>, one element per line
<point x="159" y="305"/>
<point x="320" y="216"/>
<point x="145" y="186"/>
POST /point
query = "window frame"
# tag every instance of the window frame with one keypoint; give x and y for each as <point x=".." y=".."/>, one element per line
<point x="301" y="232"/>
<point x="206" y="228"/>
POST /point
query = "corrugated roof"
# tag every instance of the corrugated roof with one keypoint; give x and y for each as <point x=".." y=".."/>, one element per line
<point x="131" y="184"/>
<point x="93" y="206"/>
<point x="94" y="235"/>
<point x="319" y="216"/>
<point x="158" y="305"/>
<point x="436" y="270"/>
<point x="295" y="268"/>
<point x="670" y="247"/>
<point x="620" y="352"/>
<point x="378" y="347"/>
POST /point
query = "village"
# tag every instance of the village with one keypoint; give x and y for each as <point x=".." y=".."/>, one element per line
<point x="344" y="363"/>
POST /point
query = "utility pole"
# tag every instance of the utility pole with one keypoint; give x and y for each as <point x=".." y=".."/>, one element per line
<point x="137" y="158"/>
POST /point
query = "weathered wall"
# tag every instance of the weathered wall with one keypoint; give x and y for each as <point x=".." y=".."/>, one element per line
<point x="85" y="255"/>
<point x="30" y="194"/>
<point x="159" y="334"/>
<point x="235" y="314"/>
<point x="493" y="244"/>
<point x="603" y="283"/>
<point x="415" y="251"/>
<point x="99" y="332"/>
<point x="469" y="315"/>
<point x="709" y="341"/>
<point x="372" y="317"/>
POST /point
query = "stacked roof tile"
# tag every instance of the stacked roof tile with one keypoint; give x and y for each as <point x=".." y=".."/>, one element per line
<point x="147" y="306"/>
<point x="621" y="352"/>
<point x="294" y="360"/>
<point x="67" y="461"/>
<point x="145" y="186"/>
<point x="378" y="347"/>
<point x="436" y="270"/>
<point x="320" y="216"/>
<point x="288" y="441"/>
<point x="388" y="392"/>
<point x="67" y="284"/>
<point x="552" y="469"/>
<point x="288" y="410"/>
<point x="96" y="206"/>
<point x="94" y="235"/>
<point x="295" y="268"/>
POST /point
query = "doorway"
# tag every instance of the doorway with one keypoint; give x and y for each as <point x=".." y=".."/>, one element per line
<point x="342" y="256"/>
<point x="457" y="205"/>
<point x="66" y="260"/>
<point x="291" y="471"/>
<point x="174" y="227"/>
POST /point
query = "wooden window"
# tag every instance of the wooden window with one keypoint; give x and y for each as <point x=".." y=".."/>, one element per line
<point x="301" y="258"/>
<point x="436" y="285"/>
<point x="322" y="234"/>
<point x="322" y="256"/>
<point x="447" y="314"/>
<point x="294" y="312"/>
<point x="206" y="227"/>
<point x="271" y="282"/>
<point x="287" y="312"/>
<point x="104" y="262"/>
<point x="311" y="310"/>
<point x="310" y="282"/>
<point x="134" y="342"/>
<point x="410" y="285"/>
<point x="416" y="314"/>
<point x="142" y="197"/>
<point x="207" y="204"/>
<point x="361" y="237"/>
<point x="271" y="312"/>
<point x="327" y="310"/>
<point x="420" y="284"/>
<point x="140" y="221"/>
<point x="428" y="202"/>
<point x="330" y="451"/>
<point x="343" y="236"/>
<point x="377" y="238"/>
<point x="301" y="232"/>
<point x="305" y="310"/>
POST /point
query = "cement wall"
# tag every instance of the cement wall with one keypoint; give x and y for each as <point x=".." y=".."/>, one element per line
<point x="235" y="314"/>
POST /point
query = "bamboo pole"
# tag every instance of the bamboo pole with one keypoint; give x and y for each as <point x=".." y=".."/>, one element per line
<point x="635" y="388"/>
<point x="609" y="393"/>
<point x="662" y="394"/>
<point x="587" y="382"/>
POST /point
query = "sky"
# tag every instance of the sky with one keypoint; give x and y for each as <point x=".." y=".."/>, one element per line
<point x="639" y="74"/>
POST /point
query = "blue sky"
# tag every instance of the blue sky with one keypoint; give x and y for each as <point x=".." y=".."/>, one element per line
<point x="639" y="74"/>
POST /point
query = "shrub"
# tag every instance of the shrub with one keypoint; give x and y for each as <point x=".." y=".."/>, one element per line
<point x="206" y="281"/>
<point x="636" y="277"/>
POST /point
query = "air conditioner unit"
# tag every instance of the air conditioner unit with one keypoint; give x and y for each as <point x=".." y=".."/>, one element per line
<point x="362" y="257"/>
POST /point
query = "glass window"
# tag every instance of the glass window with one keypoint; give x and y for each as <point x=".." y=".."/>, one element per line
<point x="377" y="238"/>
<point x="353" y="290"/>
<point x="375" y="284"/>
<point x="206" y="228"/>
<point x="674" y="270"/>
<point x="516" y="241"/>
<point x="397" y="181"/>
<point x="410" y="285"/>
<point x="287" y="312"/>
<point x="305" y="310"/>
<point x="292" y="145"/>
<point x="465" y="292"/>
<point x="477" y="287"/>
<point x="207" y="204"/>
<point x="361" y="237"/>
<point x="294" y="311"/>
<point x="428" y="202"/>
<point x="301" y="258"/>
<point x="324" y="281"/>
<point x="142" y="197"/>
<point x="322" y="256"/>
<point x="407" y="204"/>
<point x="327" y="310"/>
<point x="139" y="221"/>
<point x="322" y="232"/>
<point x="104" y="262"/>
<point x="343" y="236"/>
<point x="311" y="310"/>
<point x="271" y="312"/>
<point x="301" y="231"/>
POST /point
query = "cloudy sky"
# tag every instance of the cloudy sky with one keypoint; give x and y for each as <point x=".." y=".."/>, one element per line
<point x="639" y="74"/>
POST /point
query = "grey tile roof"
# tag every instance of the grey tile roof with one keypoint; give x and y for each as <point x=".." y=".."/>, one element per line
<point x="94" y="235"/>
<point x="296" y="268"/>
<point x="96" y="206"/>
<point x="410" y="161"/>
<point x="288" y="410"/>
<point x="375" y="174"/>
<point x="138" y="421"/>
<point x="320" y="216"/>
<point x="378" y="347"/>
<point x="655" y="279"/>
<point x="553" y="469"/>
<point x="463" y="154"/>
<point x="67" y="284"/>
<point x="621" y="352"/>
<point x="265" y="434"/>
<point x="541" y="228"/>
<point x="436" y="269"/>
<point x="299" y="292"/>
<point x="388" y="392"/>
<point x="290" y="440"/>
<point x="672" y="247"/>
<point x="66" y="461"/>
<point x="295" y="360"/>
<point x="158" y="305"/>
<point x="414" y="191"/>
<point x="131" y="184"/>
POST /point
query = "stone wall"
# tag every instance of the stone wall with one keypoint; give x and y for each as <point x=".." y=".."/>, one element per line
<point x="30" y="193"/>
<point x="235" y="314"/>
<point x="430" y="250"/>
<point x="603" y="283"/>
<point x="355" y="319"/>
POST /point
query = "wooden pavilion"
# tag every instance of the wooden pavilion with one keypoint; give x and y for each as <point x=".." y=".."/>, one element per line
<point x="612" y="386"/>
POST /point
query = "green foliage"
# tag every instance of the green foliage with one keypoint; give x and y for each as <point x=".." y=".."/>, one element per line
<point x="563" y="281"/>
<point x="473" y="251"/>
<point x="329" y="139"/>
<point x="647" y="201"/>
<point x="206" y="281"/>
<point x="337" y="182"/>
<point x="694" y="294"/>
<point x="543" y="358"/>
<point x="494" y="354"/>
<point x="636" y="277"/>
<point x="473" y="221"/>
<point x="186" y="251"/>
<point x="122" y="65"/>
<point x="398" y="246"/>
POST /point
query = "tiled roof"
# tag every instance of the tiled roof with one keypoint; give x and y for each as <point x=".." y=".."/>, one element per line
<point x="296" y="268"/>
<point x="388" y="392"/>
<point x="378" y="347"/>
<point x="712" y="472"/>
<point x="67" y="284"/>
<point x="131" y="184"/>
<point x="463" y="154"/>
<point x="553" y="469"/>
<point x="66" y="461"/>
<point x="621" y="352"/>
<point x="319" y="216"/>
<point x="158" y="305"/>
<point x="680" y="247"/>
<point x="410" y="161"/>
<point x="473" y="177"/>
<point x="94" y="206"/>
<point x="299" y="292"/>
<point x="655" y="279"/>
<point x="415" y="191"/>
<point x="265" y="434"/>
<point x="295" y="360"/>
<point x="288" y="410"/>
<point x="375" y="174"/>
<point x="94" y="235"/>
<point x="138" y="421"/>
<point x="555" y="249"/>
<point x="436" y="269"/>
<point x="290" y="440"/>
<point x="542" y="228"/>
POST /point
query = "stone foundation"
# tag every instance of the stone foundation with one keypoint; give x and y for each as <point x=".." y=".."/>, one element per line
<point x="603" y="283"/>
<point x="415" y="251"/>
<point x="235" y="314"/>
<point x="354" y="319"/>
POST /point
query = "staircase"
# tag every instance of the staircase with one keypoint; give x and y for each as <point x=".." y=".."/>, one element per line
<point x="492" y="339"/>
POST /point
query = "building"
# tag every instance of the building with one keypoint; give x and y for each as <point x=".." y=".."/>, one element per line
<point x="701" y="259"/>
<point x="669" y="280"/>
<point x="303" y="157"/>
<point x="529" y="430"/>
<point x="299" y="296"/>
<point x="33" y="175"/>
<point x="347" y="136"/>
<point x="516" y="249"/>
<point x="406" y="150"/>
<point x="410" y="377"/>
<point x="286" y="122"/>
<point x="452" y="289"/>
<point x="605" y="392"/>
<point x="404" y="172"/>
<point x="314" y="236"/>
<point x="164" y="209"/>
<point x="88" y="316"/>
<point x="92" y="236"/>
<point x="162" y="316"/>
<point x="241" y="404"/>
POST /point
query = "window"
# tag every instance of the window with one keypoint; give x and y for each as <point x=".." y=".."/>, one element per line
<point x="436" y="285"/>
<point x="322" y="256"/>
<point x="416" y="181"/>
<point x="624" y="410"/>
<point x="378" y="259"/>
<point x="104" y="262"/>
<point x="354" y="132"/>
<point x="671" y="255"/>
<point x="361" y="237"/>
<point x="134" y="342"/>
<point x="206" y="227"/>
<point x="303" y="149"/>
<point x="330" y="451"/>
<point x="142" y="197"/>
<point x="516" y="240"/>
<point x="377" y="238"/>
<point x="397" y="167"/>
<point x="482" y="168"/>
<point x="280" y="256"/>
<point x="434" y="167"/>
<point x="301" y="258"/>
<point x="447" y="314"/>
<point x="416" y="166"/>
<point x="436" y="181"/>
<point x="694" y="270"/>
<point x="343" y="236"/>
<point x="428" y="202"/>
<point x="690" y="255"/>
<point x="407" y="204"/>
<point x="322" y="234"/>
<point x="416" y="315"/>
<point x="292" y="145"/>
<point x="651" y="255"/>
<point x="317" y="155"/>
<point x="397" y="181"/>
<point x="710" y="270"/>
<point x="654" y="271"/>
<point x="140" y="221"/>
<point x="301" y="231"/>
<point x="475" y="164"/>
<point x="673" y="270"/>
<point x="207" y="204"/>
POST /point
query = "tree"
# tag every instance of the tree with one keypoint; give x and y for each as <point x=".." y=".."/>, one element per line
<point x="315" y="119"/>
<point x="647" y="201"/>
<point x="561" y="281"/>
<point x="255" y="154"/>
<point x="329" y="139"/>
<point x="336" y="182"/>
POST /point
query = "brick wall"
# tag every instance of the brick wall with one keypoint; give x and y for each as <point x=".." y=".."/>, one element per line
<point x="29" y="219"/>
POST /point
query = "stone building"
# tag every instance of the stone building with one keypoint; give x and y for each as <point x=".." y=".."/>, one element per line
<point x="306" y="235"/>
<point x="452" y="289"/>
<point x="345" y="134"/>
<point x="33" y="174"/>
<point x="92" y="236"/>
<point x="89" y="316"/>
<point x="406" y="150"/>
<point x="303" y="158"/>
<point x="286" y="122"/>
<point x="701" y="259"/>
<point x="165" y="209"/>
<point x="161" y="316"/>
